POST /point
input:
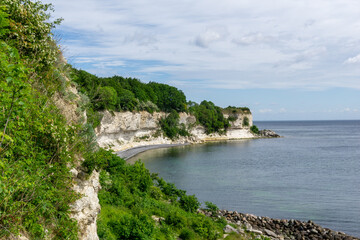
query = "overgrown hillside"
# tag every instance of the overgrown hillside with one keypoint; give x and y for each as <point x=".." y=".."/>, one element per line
<point x="39" y="145"/>
<point x="129" y="94"/>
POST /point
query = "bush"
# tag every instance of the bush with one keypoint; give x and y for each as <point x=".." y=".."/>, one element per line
<point x="187" y="234"/>
<point x="246" y="122"/>
<point x="37" y="146"/>
<point x="106" y="98"/>
<point x="254" y="129"/>
<point x="170" y="126"/>
<point x="132" y="227"/>
<point x="205" y="227"/>
<point x="189" y="203"/>
<point x="174" y="218"/>
<point x="211" y="207"/>
<point x="210" y="116"/>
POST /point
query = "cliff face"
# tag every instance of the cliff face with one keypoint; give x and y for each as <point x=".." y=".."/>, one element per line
<point x="123" y="130"/>
<point x="239" y="120"/>
<point x="85" y="209"/>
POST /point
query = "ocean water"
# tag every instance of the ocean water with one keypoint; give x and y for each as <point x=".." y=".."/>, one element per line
<point x="312" y="173"/>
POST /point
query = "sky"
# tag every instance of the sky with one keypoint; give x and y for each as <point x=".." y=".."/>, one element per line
<point x="284" y="59"/>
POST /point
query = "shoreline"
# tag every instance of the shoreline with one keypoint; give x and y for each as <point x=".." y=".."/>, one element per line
<point x="132" y="152"/>
<point x="277" y="229"/>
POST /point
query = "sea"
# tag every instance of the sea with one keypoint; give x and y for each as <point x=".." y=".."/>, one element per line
<point x="311" y="173"/>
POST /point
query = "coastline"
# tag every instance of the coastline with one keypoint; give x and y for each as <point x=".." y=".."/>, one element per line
<point x="276" y="229"/>
<point x="132" y="152"/>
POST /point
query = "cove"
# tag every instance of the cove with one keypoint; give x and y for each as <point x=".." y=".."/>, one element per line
<point x="310" y="174"/>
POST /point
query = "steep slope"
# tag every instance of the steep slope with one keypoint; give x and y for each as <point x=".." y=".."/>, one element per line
<point x="123" y="130"/>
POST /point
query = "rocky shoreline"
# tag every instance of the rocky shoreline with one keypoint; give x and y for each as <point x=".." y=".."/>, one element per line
<point x="266" y="133"/>
<point x="278" y="229"/>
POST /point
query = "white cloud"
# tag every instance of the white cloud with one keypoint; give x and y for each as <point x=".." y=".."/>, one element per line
<point x="233" y="44"/>
<point x="355" y="59"/>
<point x="252" y="38"/>
<point x="205" y="39"/>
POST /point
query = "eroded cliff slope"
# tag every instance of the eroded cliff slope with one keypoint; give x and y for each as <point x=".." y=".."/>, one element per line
<point x="123" y="130"/>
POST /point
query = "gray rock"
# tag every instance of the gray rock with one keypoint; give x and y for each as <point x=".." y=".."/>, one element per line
<point x="256" y="231"/>
<point x="270" y="233"/>
<point x="268" y="133"/>
<point x="230" y="229"/>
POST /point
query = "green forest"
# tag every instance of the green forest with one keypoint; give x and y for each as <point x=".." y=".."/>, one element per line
<point x="39" y="145"/>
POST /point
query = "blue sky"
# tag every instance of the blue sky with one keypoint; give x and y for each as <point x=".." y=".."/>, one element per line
<point x="286" y="60"/>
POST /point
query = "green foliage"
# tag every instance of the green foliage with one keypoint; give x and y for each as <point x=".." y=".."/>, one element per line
<point x="131" y="94"/>
<point x="211" y="207"/>
<point x="30" y="32"/>
<point x="37" y="146"/>
<point x="232" y="118"/>
<point x="168" y="97"/>
<point x="130" y="196"/>
<point x="210" y="116"/>
<point x="35" y="182"/>
<point x="170" y="126"/>
<point x="245" y="121"/>
<point x="237" y="110"/>
<point x="127" y="100"/>
<point x="187" y="234"/>
<point x="254" y="129"/>
<point x="189" y="203"/>
<point x="106" y="98"/>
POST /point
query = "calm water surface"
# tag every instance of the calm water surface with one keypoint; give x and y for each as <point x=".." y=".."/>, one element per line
<point x="311" y="173"/>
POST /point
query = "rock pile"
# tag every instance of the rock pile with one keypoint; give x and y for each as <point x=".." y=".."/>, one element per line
<point x="268" y="133"/>
<point x="282" y="229"/>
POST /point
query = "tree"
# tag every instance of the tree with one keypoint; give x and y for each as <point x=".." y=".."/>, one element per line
<point x="106" y="99"/>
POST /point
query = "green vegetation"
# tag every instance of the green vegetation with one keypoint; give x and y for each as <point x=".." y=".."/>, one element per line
<point x="235" y="110"/>
<point x="170" y="126"/>
<point x="210" y="116"/>
<point x="246" y="236"/>
<point x="131" y="198"/>
<point x="211" y="208"/>
<point x="37" y="146"/>
<point x="254" y="129"/>
<point x="127" y="94"/>
<point x="246" y="122"/>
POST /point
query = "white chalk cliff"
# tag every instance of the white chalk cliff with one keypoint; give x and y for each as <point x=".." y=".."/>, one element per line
<point x="123" y="130"/>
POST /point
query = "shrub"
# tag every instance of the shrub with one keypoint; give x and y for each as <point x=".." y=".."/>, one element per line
<point x="170" y="126"/>
<point x="106" y="98"/>
<point x="210" y="116"/>
<point x="211" y="207"/>
<point x="205" y="227"/>
<point x="169" y="189"/>
<point x="189" y="203"/>
<point x="232" y="118"/>
<point x="187" y="234"/>
<point x="246" y="122"/>
<point x="254" y="129"/>
<point x="174" y="218"/>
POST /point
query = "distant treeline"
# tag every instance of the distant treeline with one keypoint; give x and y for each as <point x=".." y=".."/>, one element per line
<point x="130" y="94"/>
